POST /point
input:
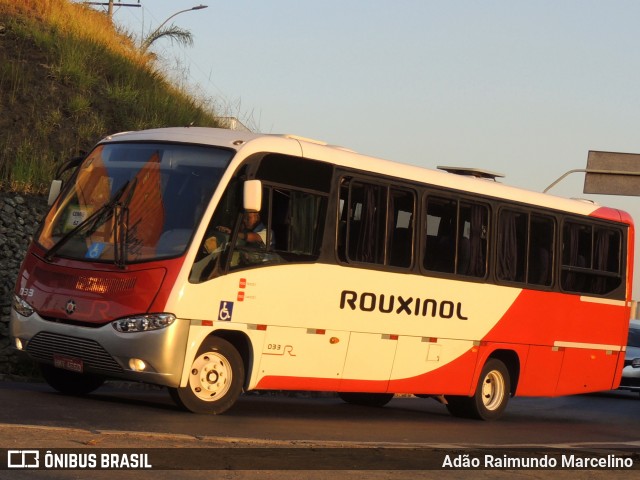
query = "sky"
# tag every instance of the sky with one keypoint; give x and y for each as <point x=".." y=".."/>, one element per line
<point x="524" y="88"/>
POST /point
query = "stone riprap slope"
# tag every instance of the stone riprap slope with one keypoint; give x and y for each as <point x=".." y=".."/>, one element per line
<point x="20" y="216"/>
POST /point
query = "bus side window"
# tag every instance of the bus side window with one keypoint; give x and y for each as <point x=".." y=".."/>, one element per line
<point x="375" y="224"/>
<point x="456" y="237"/>
<point x="606" y="260"/>
<point x="525" y="247"/>
<point x="591" y="259"/>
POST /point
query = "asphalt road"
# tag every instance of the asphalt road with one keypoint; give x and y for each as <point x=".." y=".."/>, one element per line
<point x="348" y="437"/>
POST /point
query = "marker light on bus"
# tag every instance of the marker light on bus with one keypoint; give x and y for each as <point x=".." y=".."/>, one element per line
<point x="22" y="307"/>
<point x="18" y="344"/>
<point x="143" y="323"/>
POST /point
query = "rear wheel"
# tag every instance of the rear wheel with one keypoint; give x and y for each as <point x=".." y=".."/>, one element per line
<point x="368" y="399"/>
<point x="70" y="383"/>
<point x="490" y="398"/>
<point x="215" y="379"/>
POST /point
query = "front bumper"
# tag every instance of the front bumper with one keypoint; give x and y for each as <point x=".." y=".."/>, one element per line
<point x="103" y="350"/>
<point x="630" y="379"/>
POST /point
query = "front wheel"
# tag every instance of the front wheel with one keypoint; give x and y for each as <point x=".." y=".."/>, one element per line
<point x="215" y="379"/>
<point x="70" y="383"/>
<point x="490" y="398"/>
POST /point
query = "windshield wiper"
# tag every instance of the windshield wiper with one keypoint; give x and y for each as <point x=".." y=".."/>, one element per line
<point x="94" y="220"/>
<point x="121" y="227"/>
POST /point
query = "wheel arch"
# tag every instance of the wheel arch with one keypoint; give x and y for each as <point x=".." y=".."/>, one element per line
<point x="511" y="360"/>
<point x="242" y="344"/>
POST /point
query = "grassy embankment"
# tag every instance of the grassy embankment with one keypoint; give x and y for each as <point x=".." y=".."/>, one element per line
<point x="67" y="79"/>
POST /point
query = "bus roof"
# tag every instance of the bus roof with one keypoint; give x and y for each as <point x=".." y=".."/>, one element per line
<point x="248" y="143"/>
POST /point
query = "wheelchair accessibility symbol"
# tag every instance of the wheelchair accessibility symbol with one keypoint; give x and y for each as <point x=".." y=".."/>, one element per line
<point x="226" y="311"/>
<point x="95" y="250"/>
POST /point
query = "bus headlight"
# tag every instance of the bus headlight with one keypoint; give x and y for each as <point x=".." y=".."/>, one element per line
<point x="22" y="307"/>
<point x="635" y="363"/>
<point x="144" y="323"/>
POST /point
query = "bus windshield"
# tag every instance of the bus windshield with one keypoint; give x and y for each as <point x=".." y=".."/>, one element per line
<point x="133" y="202"/>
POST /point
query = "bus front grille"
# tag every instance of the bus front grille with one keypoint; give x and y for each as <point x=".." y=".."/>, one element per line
<point x="94" y="358"/>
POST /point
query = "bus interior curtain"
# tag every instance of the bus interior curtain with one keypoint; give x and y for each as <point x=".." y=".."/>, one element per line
<point x="601" y="260"/>
<point x="508" y="246"/>
<point x="476" y="250"/>
<point x="570" y="279"/>
<point x="303" y="215"/>
<point x="365" y="251"/>
<point x="391" y="227"/>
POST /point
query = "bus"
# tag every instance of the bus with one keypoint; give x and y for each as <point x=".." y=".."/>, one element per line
<point x="216" y="262"/>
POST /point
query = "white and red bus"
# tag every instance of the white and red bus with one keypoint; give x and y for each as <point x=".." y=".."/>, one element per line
<point x="368" y="277"/>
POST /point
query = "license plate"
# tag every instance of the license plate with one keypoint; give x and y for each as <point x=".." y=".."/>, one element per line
<point x="68" y="363"/>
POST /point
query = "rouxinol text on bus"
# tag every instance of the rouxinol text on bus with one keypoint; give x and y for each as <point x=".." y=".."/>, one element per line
<point x="369" y="302"/>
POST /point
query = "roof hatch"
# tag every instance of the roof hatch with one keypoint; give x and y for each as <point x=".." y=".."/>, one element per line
<point x="473" y="172"/>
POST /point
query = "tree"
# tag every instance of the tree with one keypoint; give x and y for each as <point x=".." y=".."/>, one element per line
<point x="180" y="35"/>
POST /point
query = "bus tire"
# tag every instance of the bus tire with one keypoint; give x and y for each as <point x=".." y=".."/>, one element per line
<point x="70" y="383"/>
<point x="215" y="379"/>
<point x="368" y="399"/>
<point x="490" y="398"/>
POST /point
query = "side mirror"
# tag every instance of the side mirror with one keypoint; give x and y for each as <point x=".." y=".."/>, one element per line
<point x="71" y="164"/>
<point x="252" y="198"/>
<point x="54" y="191"/>
<point x="56" y="185"/>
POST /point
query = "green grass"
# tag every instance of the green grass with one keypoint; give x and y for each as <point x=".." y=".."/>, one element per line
<point x="74" y="63"/>
<point x="10" y="81"/>
<point x="29" y="164"/>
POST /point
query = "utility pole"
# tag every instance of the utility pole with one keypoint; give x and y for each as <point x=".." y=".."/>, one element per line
<point x="111" y="3"/>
